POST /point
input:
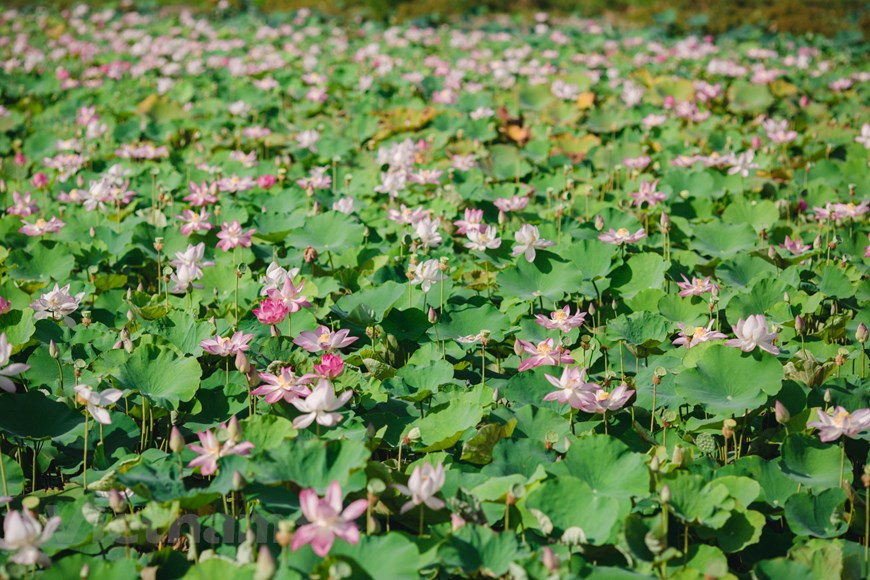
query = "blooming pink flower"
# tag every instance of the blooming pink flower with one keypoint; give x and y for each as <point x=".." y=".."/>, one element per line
<point x="472" y="221"/>
<point x="286" y="386"/>
<point x="330" y="367"/>
<point x="481" y="239"/>
<point x="621" y="236"/>
<point x="194" y="221"/>
<point x="39" y="180"/>
<point x="232" y="236"/>
<point x="223" y="346"/>
<point x="41" y="227"/>
<point x="290" y="295"/>
<point x="5" y="305"/>
<point x="424" y="483"/>
<point x="57" y="303"/>
<point x="850" y="210"/>
<point x="326" y="520"/>
<point x="648" y="194"/>
<point x="795" y="246"/>
<point x="561" y="319"/>
<point x="603" y="401"/>
<point x="211" y="450"/>
<point x="22" y="205"/>
<point x="544" y="354"/>
<point x="324" y="339"/>
<point x="569" y="385"/>
<point x="320" y="406"/>
<point x="528" y="240"/>
<point x="752" y="333"/>
<point x="271" y="311"/>
<point x="832" y="427"/>
<point x="202" y="194"/>
<point x="235" y="184"/>
<point x="690" y="336"/>
<point x="513" y="203"/>
<point x="11" y="370"/>
<point x="697" y="286"/>
<point x="407" y="215"/>
<point x="317" y="179"/>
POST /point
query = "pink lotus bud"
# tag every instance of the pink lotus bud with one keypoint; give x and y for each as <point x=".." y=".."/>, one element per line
<point x="271" y="311"/>
<point x="756" y="142"/>
<point x="5" y="305"/>
<point x="20" y="159"/>
<point x="267" y="181"/>
<point x="433" y="316"/>
<point x="599" y="222"/>
<point x="176" y="440"/>
<point x="39" y="181"/>
<point x="781" y="413"/>
<point x="330" y="367"/>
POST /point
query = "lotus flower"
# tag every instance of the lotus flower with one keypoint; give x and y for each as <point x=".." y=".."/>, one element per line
<point x="320" y="406"/>
<point x="24" y="534"/>
<point x="327" y="520"/>
<point x="11" y="370"/>
<point x="527" y="241"/>
<point x="427" y="273"/>
<point x="752" y="333"/>
<point x="97" y="401"/>
<point x="57" y="304"/>
<point x="697" y="286"/>
<point x="211" y="450"/>
<point x="832" y="427"/>
<point x="233" y="236"/>
<point x="690" y="336"/>
<point x="561" y="320"/>
<point x="570" y="386"/>
<point x="603" y="401"/>
<point x="286" y="386"/>
<point x="621" y="236"/>
<point x="324" y="339"/>
<point x="424" y="483"/>
<point x="543" y="353"/>
<point x="223" y="346"/>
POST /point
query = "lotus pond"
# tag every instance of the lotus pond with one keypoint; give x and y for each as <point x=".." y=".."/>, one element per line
<point x="288" y="296"/>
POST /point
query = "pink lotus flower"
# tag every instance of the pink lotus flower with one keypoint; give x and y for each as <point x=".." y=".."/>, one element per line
<point x="5" y="305"/>
<point x="57" y="304"/>
<point x="424" y="483"/>
<point x="513" y="203"/>
<point x="527" y="241"/>
<point x="752" y="333"/>
<point x="648" y="194"/>
<point x="427" y="273"/>
<point x="290" y="295"/>
<point x="23" y="533"/>
<point x="202" y="194"/>
<point x="271" y="311"/>
<point x="481" y="239"/>
<point x="331" y="366"/>
<point x="211" y="450"/>
<point x="697" y="286"/>
<point x="188" y="267"/>
<point x="570" y="385"/>
<point x="232" y="236"/>
<point x="97" y="401"/>
<point x="267" y="181"/>
<point x="195" y="221"/>
<point x="795" y="246"/>
<point x="561" y="320"/>
<point x="621" y="236"/>
<point x="407" y="215"/>
<point x="223" y="346"/>
<point x="286" y="386"/>
<point x="832" y="427"/>
<point x="324" y="339"/>
<point x="472" y="221"/>
<point x="11" y="370"/>
<point x="690" y="336"/>
<point x="602" y="401"/>
<point x="320" y="406"/>
<point x="544" y="354"/>
<point x="327" y="520"/>
<point x="22" y="205"/>
<point x="41" y="227"/>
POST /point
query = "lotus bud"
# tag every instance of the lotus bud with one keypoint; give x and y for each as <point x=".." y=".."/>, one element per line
<point x="116" y="501"/>
<point x="666" y="494"/>
<point x="665" y="222"/>
<point x="799" y="325"/>
<point x="817" y="243"/>
<point x="433" y="316"/>
<point x="599" y="222"/>
<point x="85" y="571"/>
<point x="456" y="521"/>
<point x="414" y="434"/>
<point x="677" y="456"/>
<point x="265" y="564"/>
<point x="550" y="560"/>
<point x="861" y="333"/>
<point x="238" y="481"/>
<point x="654" y="464"/>
<point x="771" y="252"/>
<point x="865" y="477"/>
<point x="502" y="218"/>
<point x="52" y="350"/>
<point x="781" y="413"/>
<point x="243" y="365"/>
<point x="284" y="534"/>
<point x="827" y="397"/>
<point x="176" y="440"/>
<point x="591" y="309"/>
<point x="234" y="430"/>
<point x="518" y="348"/>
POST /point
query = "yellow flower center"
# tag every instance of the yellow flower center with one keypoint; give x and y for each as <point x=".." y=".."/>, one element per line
<point x="40" y="223"/>
<point x="622" y="232"/>
<point x="841" y="418"/>
<point x="602" y="395"/>
<point x="544" y="349"/>
<point x="699" y="332"/>
<point x="323" y="338"/>
<point x="560" y="316"/>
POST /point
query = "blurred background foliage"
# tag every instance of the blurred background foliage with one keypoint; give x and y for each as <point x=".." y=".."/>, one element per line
<point x="828" y="17"/>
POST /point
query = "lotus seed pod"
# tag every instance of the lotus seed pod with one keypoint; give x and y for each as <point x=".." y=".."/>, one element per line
<point x="706" y="443"/>
<point x="284" y="534"/>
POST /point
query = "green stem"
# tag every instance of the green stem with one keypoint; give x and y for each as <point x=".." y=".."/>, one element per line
<point x="85" y="454"/>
